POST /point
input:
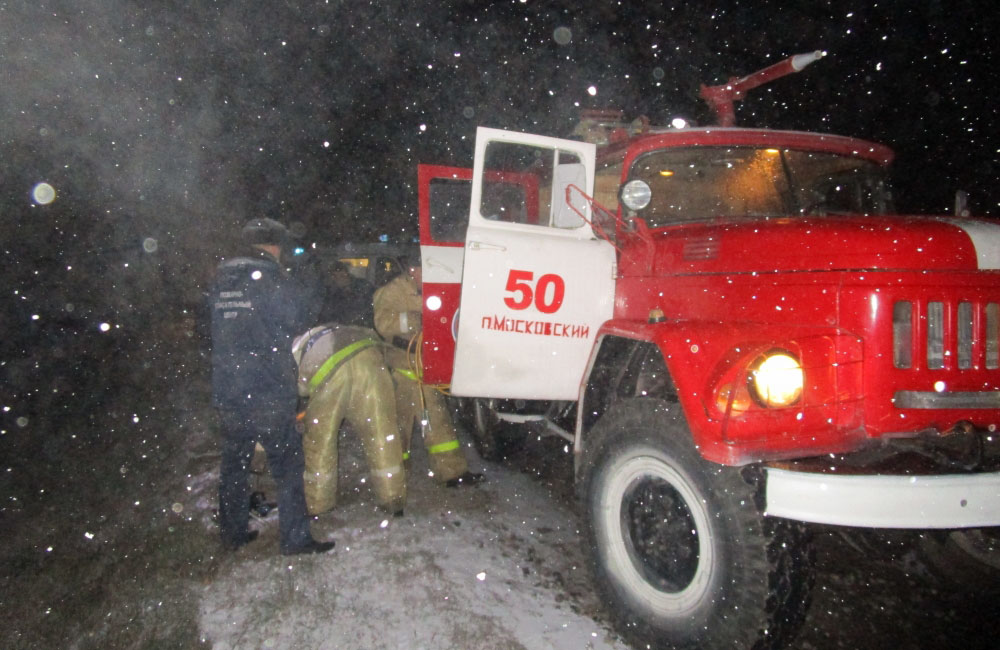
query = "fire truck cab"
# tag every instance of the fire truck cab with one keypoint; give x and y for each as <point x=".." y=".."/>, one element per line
<point x="739" y="336"/>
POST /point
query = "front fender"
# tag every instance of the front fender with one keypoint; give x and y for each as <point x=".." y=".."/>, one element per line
<point x="708" y="364"/>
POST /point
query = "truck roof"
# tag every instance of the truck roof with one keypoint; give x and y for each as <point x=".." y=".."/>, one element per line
<point x="630" y="148"/>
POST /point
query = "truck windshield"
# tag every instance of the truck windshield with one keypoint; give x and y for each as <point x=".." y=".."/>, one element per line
<point x="699" y="183"/>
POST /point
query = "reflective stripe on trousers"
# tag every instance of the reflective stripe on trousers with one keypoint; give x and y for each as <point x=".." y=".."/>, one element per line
<point x="445" y="456"/>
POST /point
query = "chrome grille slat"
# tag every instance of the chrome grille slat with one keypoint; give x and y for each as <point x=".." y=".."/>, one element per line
<point x="992" y="336"/>
<point x="965" y="335"/>
<point x="937" y="335"/>
<point x="902" y="334"/>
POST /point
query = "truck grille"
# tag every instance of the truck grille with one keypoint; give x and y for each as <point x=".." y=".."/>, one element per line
<point x="943" y="335"/>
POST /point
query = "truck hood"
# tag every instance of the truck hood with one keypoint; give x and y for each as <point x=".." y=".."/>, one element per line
<point x="767" y="245"/>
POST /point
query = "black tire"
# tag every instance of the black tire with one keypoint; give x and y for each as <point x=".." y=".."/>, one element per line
<point x="681" y="550"/>
<point x="967" y="559"/>
<point x="493" y="437"/>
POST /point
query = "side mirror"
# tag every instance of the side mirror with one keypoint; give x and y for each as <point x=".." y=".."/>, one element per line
<point x="563" y="214"/>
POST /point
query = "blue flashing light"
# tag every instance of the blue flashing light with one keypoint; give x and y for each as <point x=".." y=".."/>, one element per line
<point x="298" y="250"/>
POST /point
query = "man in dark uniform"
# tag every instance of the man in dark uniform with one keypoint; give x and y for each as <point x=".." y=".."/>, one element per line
<point x="256" y="313"/>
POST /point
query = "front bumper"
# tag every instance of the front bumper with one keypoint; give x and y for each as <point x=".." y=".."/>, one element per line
<point x="885" y="501"/>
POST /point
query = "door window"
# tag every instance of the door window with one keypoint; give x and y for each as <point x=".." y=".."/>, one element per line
<point x="526" y="184"/>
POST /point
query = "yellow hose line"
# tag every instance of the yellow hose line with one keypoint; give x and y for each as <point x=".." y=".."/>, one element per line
<point x="414" y="359"/>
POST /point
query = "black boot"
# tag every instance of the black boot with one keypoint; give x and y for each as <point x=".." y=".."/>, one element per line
<point x="312" y="546"/>
<point x="234" y="546"/>
<point x="468" y="478"/>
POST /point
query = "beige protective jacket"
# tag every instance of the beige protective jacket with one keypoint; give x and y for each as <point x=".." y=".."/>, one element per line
<point x="342" y="370"/>
<point x="318" y="346"/>
<point x="398" y="306"/>
<point x="418" y="406"/>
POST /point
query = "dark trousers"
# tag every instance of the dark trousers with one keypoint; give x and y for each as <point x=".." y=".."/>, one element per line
<point x="275" y="430"/>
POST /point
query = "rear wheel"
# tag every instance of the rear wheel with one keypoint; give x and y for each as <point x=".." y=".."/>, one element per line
<point x="493" y="437"/>
<point x="681" y="549"/>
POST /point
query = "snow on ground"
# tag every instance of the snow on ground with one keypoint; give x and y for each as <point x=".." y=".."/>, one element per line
<point x="498" y="565"/>
<point x="110" y="543"/>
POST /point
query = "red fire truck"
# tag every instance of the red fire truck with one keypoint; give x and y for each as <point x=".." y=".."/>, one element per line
<point x="739" y="337"/>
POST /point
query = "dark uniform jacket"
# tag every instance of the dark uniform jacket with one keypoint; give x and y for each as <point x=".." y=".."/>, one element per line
<point x="257" y="310"/>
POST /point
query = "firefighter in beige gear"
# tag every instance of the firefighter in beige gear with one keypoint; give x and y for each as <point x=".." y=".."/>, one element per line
<point x="398" y="306"/>
<point x="343" y="374"/>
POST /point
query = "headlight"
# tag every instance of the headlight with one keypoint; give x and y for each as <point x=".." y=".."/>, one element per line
<point x="776" y="379"/>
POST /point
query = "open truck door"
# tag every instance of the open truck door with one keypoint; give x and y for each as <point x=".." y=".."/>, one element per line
<point x="443" y="195"/>
<point x="537" y="282"/>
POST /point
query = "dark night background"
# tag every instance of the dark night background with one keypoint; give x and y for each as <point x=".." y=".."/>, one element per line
<point x="163" y="126"/>
<point x="177" y="121"/>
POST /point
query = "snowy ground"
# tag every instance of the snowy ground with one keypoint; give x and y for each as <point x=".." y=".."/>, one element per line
<point x="498" y="566"/>
<point x="109" y="542"/>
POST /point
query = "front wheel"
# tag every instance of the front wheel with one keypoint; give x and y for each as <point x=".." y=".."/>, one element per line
<point x="681" y="549"/>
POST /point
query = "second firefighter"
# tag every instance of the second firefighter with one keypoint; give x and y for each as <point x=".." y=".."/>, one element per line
<point x="398" y="307"/>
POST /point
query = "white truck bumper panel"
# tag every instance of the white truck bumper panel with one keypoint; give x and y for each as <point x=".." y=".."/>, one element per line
<point x="937" y="501"/>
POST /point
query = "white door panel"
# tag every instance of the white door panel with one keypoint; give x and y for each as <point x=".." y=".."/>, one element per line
<point x="533" y="294"/>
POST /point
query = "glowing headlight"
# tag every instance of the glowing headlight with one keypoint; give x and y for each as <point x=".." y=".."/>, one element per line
<point x="776" y="379"/>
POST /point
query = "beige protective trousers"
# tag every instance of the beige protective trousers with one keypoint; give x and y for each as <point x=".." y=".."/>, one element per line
<point x="444" y="453"/>
<point x="361" y="391"/>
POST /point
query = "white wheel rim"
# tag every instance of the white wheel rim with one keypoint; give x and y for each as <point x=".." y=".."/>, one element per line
<point x="623" y="474"/>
